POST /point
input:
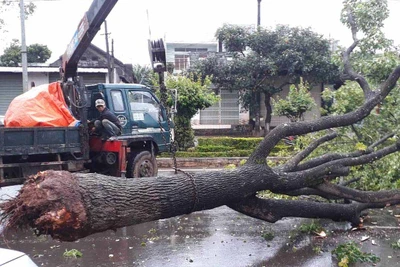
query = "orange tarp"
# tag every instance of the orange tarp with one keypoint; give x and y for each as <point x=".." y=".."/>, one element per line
<point x="41" y="106"/>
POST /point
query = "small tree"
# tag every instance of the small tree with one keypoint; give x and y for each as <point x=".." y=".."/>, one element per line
<point x="192" y="97"/>
<point x="143" y="75"/>
<point x="296" y="103"/>
<point x="37" y="53"/>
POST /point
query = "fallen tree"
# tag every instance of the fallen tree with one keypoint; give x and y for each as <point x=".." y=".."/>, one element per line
<point x="69" y="206"/>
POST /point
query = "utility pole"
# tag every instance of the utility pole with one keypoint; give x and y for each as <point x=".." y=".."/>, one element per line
<point x="112" y="61"/>
<point x="108" y="54"/>
<point x="257" y="95"/>
<point x="259" y="13"/>
<point x="23" y="48"/>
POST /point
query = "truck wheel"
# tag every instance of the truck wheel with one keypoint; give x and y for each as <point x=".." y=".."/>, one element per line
<point x="142" y="165"/>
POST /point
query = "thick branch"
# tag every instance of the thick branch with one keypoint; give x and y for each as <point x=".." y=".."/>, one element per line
<point x="384" y="196"/>
<point x="348" y="70"/>
<point x="272" y="210"/>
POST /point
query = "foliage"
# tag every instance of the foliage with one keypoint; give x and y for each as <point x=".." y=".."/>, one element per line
<point x="369" y="19"/>
<point x="233" y="142"/>
<point x="184" y="134"/>
<point x="298" y="101"/>
<point x="349" y="253"/>
<point x="192" y="97"/>
<point x="36" y="53"/>
<point x="309" y="228"/>
<point x="12" y="55"/>
<point x="73" y="253"/>
<point x="268" y="236"/>
<point x="267" y="194"/>
<point x="375" y="60"/>
<point x="144" y="75"/>
<point x="396" y="245"/>
<point x="344" y="100"/>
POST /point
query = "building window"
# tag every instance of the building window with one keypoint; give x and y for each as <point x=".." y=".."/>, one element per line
<point x="181" y="62"/>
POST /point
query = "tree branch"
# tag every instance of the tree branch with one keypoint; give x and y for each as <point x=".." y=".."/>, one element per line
<point x="288" y="166"/>
<point x="331" y="157"/>
<point x="340" y="166"/>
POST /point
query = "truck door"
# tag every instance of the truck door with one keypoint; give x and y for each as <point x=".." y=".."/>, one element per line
<point x="147" y="114"/>
<point x="118" y="106"/>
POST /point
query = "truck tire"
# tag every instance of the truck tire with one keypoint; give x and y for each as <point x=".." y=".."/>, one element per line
<point x="142" y="165"/>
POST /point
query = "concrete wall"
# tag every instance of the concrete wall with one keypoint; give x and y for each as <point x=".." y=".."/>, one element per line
<point x="38" y="79"/>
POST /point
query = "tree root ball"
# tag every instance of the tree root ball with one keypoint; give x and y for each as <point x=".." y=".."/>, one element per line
<point x="50" y="202"/>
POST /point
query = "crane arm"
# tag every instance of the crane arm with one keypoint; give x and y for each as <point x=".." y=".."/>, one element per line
<point x="87" y="29"/>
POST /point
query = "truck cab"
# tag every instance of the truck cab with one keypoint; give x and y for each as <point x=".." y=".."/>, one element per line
<point x="145" y="130"/>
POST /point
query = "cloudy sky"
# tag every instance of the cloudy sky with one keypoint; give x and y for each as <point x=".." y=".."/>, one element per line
<point x="55" y="22"/>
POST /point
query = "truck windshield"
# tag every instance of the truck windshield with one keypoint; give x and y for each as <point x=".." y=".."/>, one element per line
<point x="142" y="103"/>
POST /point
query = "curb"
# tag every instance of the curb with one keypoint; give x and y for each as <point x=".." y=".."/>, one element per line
<point x="203" y="162"/>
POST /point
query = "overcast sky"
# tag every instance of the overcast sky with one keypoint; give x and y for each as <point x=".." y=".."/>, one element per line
<point x="55" y="22"/>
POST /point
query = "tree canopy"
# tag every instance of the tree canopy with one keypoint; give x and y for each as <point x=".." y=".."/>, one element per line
<point x="266" y="60"/>
<point x="37" y="53"/>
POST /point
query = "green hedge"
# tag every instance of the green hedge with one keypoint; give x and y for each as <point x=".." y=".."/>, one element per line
<point x="195" y="154"/>
<point x="212" y="148"/>
<point x="227" y="147"/>
<point x="235" y="142"/>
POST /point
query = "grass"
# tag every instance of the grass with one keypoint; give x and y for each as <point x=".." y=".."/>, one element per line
<point x="349" y="253"/>
<point x="73" y="253"/>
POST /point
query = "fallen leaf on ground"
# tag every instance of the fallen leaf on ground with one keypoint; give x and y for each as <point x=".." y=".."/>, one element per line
<point x="364" y="238"/>
<point x="321" y="234"/>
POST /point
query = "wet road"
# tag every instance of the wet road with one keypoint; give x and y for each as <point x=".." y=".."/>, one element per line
<point x="218" y="237"/>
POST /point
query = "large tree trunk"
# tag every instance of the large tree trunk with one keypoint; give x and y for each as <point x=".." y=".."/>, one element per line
<point x="70" y="206"/>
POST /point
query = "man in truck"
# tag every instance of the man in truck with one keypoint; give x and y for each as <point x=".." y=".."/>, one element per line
<point x="107" y="125"/>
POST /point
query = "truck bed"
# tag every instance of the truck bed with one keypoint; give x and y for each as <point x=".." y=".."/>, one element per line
<point x="26" y="151"/>
<point x="39" y="140"/>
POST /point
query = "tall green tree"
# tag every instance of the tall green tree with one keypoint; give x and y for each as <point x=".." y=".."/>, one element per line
<point x="266" y="60"/>
<point x="37" y="53"/>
